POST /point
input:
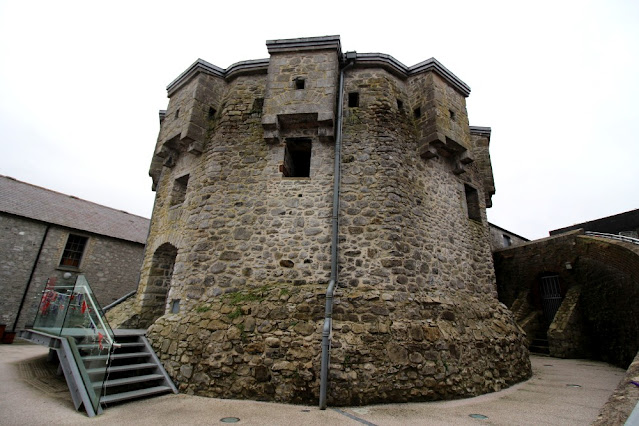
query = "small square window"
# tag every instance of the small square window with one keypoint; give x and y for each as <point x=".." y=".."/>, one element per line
<point x="73" y="251"/>
<point x="297" y="158"/>
<point x="300" y="83"/>
<point x="507" y="240"/>
<point x="472" y="203"/>
<point x="451" y="113"/>
<point x="353" y="100"/>
<point x="178" y="194"/>
<point x="417" y="112"/>
<point x="177" y="113"/>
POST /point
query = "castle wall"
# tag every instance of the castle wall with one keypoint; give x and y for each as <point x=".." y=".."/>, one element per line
<point x="416" y="315"/>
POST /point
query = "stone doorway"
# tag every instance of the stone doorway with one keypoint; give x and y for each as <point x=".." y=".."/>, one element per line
<point x="159" y="280"/>
<point x="551" y="299"/>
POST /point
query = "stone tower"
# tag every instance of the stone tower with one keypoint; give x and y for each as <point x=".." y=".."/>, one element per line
<point x="239" y="255"/>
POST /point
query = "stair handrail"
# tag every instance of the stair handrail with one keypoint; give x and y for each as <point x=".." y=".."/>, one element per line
<point x="613" y="237"/>
<point x="120" y="300"/>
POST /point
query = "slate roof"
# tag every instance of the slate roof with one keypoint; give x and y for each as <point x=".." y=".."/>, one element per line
<point x="33" y="202"/>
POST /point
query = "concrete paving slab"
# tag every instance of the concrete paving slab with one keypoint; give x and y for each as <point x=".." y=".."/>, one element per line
<point x="546" y="399"/>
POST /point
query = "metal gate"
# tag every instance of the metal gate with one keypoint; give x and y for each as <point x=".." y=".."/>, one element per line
<point x="550" y="296"/>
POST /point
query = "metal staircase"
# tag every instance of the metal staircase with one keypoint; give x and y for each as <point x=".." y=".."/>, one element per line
<point x="134" y="371"/>
<point x="101" y="366"/>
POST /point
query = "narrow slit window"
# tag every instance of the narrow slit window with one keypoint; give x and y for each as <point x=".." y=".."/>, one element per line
<point x="300" y="83"/>
<point x="73" y="251"/>
<point x="400" y="105"/>
<point x="417" y="112"/>
<point x="177" y="113"/>
<point x="212" y="113"/>
<point x="451" y="113"/>
<point x="258" y="105"/>
<point x="353" y="100"/>
<point x="179" y="190"/>
<point x="297" y="158"/>
<point x="472" y="203"/>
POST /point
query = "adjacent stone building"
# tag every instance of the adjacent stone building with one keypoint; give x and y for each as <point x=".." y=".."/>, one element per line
<point x="575" y="294"/>
<point x="46" y="234"/>
<point x="502" y="238"/>
<point x="255" y="167"/>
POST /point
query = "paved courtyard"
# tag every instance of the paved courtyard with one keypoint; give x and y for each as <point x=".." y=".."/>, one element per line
<point x="561" y="392"/>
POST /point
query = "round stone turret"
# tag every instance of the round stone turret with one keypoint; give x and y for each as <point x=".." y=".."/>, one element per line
<point x="238" y="258"/>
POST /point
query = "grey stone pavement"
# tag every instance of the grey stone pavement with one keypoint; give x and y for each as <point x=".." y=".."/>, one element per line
<point x="30" y="395"/>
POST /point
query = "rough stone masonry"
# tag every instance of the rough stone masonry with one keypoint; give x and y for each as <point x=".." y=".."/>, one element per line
<point x="238" y="258"/>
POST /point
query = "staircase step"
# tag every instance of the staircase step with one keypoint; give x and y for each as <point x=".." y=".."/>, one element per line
<point x="129" y="380"/>
<point x="120" y="368"/>
<point x="539" y="349"/>
<point x="116" y="356"/>
<point x="123" y="345"/>
<point x="134" y="394"/>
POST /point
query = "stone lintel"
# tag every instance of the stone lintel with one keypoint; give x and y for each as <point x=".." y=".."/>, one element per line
<point x="279" y="126"/>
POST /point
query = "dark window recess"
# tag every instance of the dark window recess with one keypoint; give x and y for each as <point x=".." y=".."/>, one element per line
<point x="507" y="241"/>
<point x="297" y="158"/>
<point x="177" y="113"/>
<point x="175" y="306"/>
<point x="400" y="105"/>
<point x="472" y="203"/>
<point x="258" y="105"/>
<point x="300" y="83"/>
<point x="212" y="113"/>
<point x="353" y="100"/>
<point x="452" y="114"/>
<point x="179" y="190"/>
<point x="73" y="251"/>
<point x="417" y="112"/>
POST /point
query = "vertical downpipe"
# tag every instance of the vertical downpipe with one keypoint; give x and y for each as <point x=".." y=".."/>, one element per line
<point x="33" y="269"/>
<point x="332" y="285"/>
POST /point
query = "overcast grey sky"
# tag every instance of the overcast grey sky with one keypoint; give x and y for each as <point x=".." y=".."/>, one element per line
<point x="81" y="83"/>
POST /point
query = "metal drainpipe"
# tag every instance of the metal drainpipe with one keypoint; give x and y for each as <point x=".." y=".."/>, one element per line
<point x="33" y="268"/>
<point x="332" y="285"/>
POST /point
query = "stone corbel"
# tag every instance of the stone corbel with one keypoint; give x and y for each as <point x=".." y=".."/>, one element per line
<point x="271" y="129"/>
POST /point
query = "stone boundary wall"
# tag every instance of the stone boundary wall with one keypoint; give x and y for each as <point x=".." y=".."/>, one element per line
<point x="624" y="399"/>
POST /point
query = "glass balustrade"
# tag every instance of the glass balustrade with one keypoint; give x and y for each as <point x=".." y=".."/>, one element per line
<point x="73" y="312"/>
